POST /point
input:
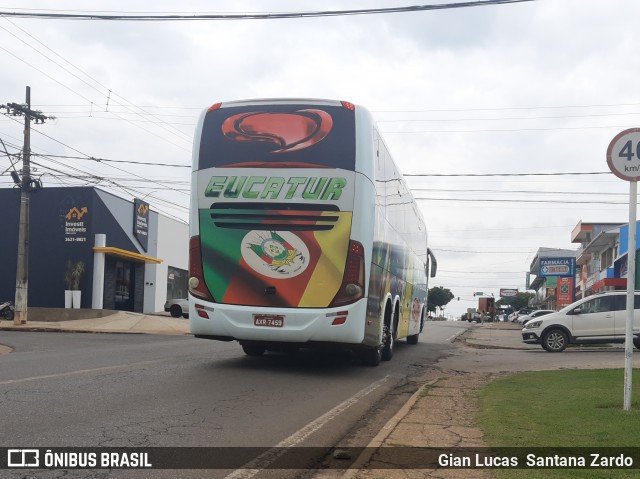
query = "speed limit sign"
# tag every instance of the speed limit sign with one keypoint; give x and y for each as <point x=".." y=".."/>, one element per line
<point x="623" y="154"/>
<point x="623" y="158"/>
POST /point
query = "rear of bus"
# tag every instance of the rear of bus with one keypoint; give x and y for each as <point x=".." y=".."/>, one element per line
<point x="273" y="260"/>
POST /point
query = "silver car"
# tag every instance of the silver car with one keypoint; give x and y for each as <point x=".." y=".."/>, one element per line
<point x="178" y="307"/>
<point x="524" y="319"/>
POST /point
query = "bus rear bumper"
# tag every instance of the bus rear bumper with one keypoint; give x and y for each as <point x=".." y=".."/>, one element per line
<point x="228" y="322"/>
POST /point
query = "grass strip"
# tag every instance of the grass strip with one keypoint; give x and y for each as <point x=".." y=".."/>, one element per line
<point x="567" y="408"/>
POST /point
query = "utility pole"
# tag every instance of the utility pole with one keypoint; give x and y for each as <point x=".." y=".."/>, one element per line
<point x="27" y="185"/>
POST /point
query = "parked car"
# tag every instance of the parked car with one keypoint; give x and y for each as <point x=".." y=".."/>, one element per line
<point x="177" y="307"/>
<point x="521" y="312"/>
<point x="595" y="319"/>
<point x="534" y="314"/>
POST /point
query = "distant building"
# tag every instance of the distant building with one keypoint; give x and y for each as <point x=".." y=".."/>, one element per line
<point x="601" y="265"/>
<point x="134" y="257"/>
<point x="599" y="247"/>
<point x="620" y="262"/>
<point x="555" y="277"/>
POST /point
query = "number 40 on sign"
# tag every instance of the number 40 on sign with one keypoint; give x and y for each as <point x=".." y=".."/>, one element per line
<point x="623" y="154"/>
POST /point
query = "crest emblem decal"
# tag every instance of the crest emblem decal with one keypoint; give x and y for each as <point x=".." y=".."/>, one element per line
<point x="276" y="254"/>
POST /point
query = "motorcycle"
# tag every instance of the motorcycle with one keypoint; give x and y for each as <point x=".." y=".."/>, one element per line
<point x="7" y="311"/>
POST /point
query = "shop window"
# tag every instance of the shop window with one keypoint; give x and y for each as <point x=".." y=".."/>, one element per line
<point x="177" y="283"/>
<point x="123" y="282"/>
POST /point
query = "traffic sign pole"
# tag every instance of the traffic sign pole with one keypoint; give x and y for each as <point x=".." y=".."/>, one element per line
<point x="623" y="158"/>
<point x="631" y="283"/>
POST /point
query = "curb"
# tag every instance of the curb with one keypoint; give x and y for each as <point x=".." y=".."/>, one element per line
<point x="44" y="329"/>
<point x="385" y="432"/>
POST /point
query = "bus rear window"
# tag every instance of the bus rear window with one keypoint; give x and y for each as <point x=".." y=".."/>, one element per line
<point x="278" y="136"/>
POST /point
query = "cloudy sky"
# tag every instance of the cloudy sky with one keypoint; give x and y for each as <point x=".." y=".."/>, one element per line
<point x="497" y="112"/>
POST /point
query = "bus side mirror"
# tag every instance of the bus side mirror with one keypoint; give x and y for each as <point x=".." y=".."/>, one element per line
<point x="434" y="264"/>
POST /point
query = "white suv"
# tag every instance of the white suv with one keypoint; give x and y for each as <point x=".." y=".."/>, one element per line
<point x="595" y="319"/>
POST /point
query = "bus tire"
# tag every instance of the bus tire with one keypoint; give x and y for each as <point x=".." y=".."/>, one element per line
<point x="253" y="349"/>
<point x="388" y="343"/>
<point x="413" y="339"/>
<point x="371" y="357"/>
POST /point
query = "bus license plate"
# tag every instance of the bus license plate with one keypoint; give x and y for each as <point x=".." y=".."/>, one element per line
<point x="268" y="320"/>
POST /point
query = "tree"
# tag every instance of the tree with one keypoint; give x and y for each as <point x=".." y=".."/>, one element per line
<point x="438" y="297"/>
<point x="519" y="301"/>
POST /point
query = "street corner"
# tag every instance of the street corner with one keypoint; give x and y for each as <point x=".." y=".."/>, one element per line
<point x="494" y="335"/>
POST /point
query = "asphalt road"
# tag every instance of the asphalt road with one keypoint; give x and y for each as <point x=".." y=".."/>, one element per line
<point x="117" y="390"/>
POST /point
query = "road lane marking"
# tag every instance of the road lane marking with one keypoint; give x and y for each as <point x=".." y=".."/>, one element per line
<point x="261" y="462"/>
<point x="453" y="337"/>
<point x="80" y="371"/>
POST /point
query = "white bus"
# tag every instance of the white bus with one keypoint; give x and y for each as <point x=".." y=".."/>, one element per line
<point x="303" y="231"/>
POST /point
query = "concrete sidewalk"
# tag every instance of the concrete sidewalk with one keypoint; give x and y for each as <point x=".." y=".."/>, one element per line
<point x="118" y="322"/>
<point x="499" y="335"/>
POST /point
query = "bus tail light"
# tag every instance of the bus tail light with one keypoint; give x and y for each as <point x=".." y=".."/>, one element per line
<point x="352" y="288"/>
<point x="197" y="286"/>
<point x="348" y="105"/>
<point x="338" y="318"/>
<point x="201" y="311"/>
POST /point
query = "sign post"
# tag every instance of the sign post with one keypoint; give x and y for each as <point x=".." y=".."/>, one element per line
<point x="623" y="158"/>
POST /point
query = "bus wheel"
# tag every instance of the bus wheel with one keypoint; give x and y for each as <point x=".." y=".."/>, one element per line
<point x="371" y="357"/>
<point x="389" y="340"/>
<point x="253" y="349"/>
<point x="413" y="339"/>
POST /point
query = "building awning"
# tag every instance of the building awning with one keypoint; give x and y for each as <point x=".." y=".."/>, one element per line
<point x="537" y="283"/>
<point x="610" y="282"/>
<point x="602" y="241"/>
<point x="123" y="253"/>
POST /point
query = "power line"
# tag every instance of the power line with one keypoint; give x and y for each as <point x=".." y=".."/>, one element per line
<point x="480" y="252"/>
<point x="161" y="123"/>
<point x="88" y="100"/>
<point x="577" y="173"/>
<point x="507" y="200"/>
<point x="100" y="160"/>
<point x="556" y="117"/>
<point x="96" y="180"/>
<point x="508" y="108"/>
<point x="252" y="16"/>
<point x="510" y="130"/>
<point x="442" y="110"/>
<point x="527" y="192"/>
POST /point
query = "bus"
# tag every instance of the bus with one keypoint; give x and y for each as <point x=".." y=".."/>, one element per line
<point x="303" y="231"/>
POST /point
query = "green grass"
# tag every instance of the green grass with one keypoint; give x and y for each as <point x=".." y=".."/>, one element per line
<point x="569" y="408"/>
<point x="425" y="391"/>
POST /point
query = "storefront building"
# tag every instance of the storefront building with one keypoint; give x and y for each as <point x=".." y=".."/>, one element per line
<point x="125" y="256"/>
<point x="555" y="281"/>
